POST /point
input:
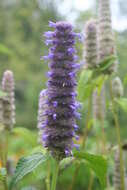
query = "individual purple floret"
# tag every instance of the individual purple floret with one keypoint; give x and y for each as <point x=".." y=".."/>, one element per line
<point x="61" y="112"/>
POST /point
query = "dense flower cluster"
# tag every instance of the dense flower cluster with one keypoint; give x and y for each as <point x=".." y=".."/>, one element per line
<point x="8" y="102"/>
<point x="60" y="125"/>
<point x="41" y="113"/>
<point x="91" y="44"/>
<point x="91" y="56"/>
<point x="105" y="33"/>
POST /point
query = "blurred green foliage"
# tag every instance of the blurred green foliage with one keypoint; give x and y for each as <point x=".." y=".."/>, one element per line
<point x="22" y="24"/>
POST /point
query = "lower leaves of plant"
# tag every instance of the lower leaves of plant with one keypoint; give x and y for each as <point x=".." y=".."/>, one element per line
<point x="97" y="163"/>
<point x="26" y="165"/>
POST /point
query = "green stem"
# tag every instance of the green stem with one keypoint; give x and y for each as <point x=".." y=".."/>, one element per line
<point x="4" y="154"/>
<point x="91" y="181"/>
<point x="102" y="121"/>
<point x="48" y="177"/>
<point x="118" y="137"/>
<point x="103" y="137"/>
<point x="55" y="175"/>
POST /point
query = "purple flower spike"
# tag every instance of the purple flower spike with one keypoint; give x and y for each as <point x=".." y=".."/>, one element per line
<point x="61" y="96"/>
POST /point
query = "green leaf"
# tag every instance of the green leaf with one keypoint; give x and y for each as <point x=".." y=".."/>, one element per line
<point x="107" y="62"/>
<point x="97" y="163"/>
<point x="122" y="102"/>
<point x="40" y="173"/>
<point x="3" y="173"/>
<point x="99" y="83"/>
<point x="66" y="162"/>
<point x="83" y="88"/>
<point x="39" y="148"/>
<point x="26" y="165"/>
<point x="88" y="82"/>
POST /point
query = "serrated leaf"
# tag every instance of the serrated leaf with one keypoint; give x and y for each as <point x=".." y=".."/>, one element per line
<point x="97" y="163"/>
<point x="26" y="165"/>
<point x="66" y="162"/>
<point x="122" y="102"/>
<point x="39" y="175"/>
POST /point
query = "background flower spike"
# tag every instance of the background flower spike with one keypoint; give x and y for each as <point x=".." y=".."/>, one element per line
<point x="117" y="178"/>
<point x="106" y="43"/>
<point x="91" y="44"/>
<point x="41" y="114"/>
<point x="8" y="102"/>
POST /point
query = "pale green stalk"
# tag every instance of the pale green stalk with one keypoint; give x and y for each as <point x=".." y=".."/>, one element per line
<point x="118" y="137"/>
<point x="55" y="175"/>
